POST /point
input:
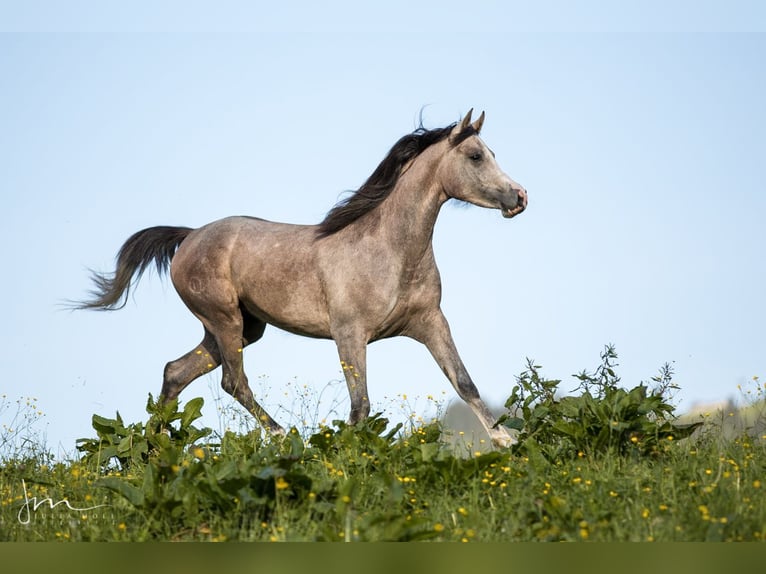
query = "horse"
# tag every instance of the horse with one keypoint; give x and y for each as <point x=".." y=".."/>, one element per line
<point x="366" y="272"/>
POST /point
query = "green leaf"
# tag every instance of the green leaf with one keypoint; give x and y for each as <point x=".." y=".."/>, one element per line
<point x="130" y="492"/>
<point x="192" y="411"/>
<point x="514" y="423"/>
<point x="429" y="450"/>
<point x="106" y="453"/>
<point x="103" y="425"/>
<point x="570" y="407"/>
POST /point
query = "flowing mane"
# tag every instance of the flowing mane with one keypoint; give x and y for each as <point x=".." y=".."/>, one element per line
<point x="383" y="180"/>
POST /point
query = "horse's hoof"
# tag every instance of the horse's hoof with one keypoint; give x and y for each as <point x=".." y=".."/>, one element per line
<point x="503" y="440"/>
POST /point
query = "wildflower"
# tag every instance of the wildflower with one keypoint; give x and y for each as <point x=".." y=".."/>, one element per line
<point x="121" y="527"/>
<point x="281" y="483"/>
<point x="584" y="532"/>
<point x="199" y="453"/>
<point x="439" y="527"/>
<point x="645" y="513"/>
<point x="462" y="511"/>
<point x="756" y="484"/>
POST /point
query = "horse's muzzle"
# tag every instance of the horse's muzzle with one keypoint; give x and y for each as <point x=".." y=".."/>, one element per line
<point x="521" y="205"/>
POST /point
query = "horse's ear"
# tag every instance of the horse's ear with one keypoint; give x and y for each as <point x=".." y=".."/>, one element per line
<point x="466" y="122"/>
<point x="478" y="123"/>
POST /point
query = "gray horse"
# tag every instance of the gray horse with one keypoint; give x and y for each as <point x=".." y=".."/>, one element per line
<point x="367" y="272"/>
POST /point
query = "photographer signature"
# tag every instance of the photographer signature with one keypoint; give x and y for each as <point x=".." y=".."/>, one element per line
<point x="31" y="504"/>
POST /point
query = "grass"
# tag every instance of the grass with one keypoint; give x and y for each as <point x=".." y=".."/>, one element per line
<point x="165" y="479"/>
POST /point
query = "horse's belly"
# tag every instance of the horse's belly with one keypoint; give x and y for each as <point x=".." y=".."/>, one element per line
<point x="297" y="319"/>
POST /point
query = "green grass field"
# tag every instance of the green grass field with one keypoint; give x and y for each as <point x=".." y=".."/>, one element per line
<point x="166" y="479"/>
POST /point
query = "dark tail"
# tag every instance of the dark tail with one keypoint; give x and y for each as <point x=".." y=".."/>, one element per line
<point x="156" y="244"/>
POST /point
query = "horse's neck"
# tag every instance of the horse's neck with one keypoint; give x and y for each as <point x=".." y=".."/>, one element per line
<point x="408" y="216"/>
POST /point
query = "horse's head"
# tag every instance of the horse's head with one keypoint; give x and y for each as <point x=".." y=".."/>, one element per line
<point x="470" y="173"/>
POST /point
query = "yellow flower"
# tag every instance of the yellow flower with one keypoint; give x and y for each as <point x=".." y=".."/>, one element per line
<point x="281" y="483"/>
<point x="756" y="484"/>
<point x="439" y="527"/>
<point x="199" y="453"/>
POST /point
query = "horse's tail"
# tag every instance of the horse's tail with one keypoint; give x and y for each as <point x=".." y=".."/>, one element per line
<point x="156" y="244"/>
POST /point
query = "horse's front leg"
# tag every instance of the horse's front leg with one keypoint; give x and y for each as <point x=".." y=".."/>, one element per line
<point x="352" y="350"/>
<point x="434" y="333"/>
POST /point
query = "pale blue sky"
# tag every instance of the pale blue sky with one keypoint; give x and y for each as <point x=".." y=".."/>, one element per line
<point x="643" y="154"/>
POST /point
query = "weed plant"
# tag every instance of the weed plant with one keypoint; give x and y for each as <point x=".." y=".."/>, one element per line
<point x="608" y="464"/>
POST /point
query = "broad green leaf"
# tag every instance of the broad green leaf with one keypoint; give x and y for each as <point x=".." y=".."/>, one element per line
<point x="130" y="492"/>
<point x="514" y="423"/>
<point x="192" y="411"/>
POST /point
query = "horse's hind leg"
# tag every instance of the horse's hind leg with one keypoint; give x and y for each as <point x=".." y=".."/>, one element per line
<point x="232" y="333"/>
<point x="197" y="362"/>
<point x="205" y="357"/>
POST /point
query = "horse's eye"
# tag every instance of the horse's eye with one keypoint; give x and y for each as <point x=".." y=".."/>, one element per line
<point x="475" y="156"/>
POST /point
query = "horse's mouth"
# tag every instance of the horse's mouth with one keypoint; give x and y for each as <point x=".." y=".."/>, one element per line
<point x="509" y="212"/>
<point x="521" y="205"/>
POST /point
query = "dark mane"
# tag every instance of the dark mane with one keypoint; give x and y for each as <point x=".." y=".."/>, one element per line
<point x="379" y="185"/>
